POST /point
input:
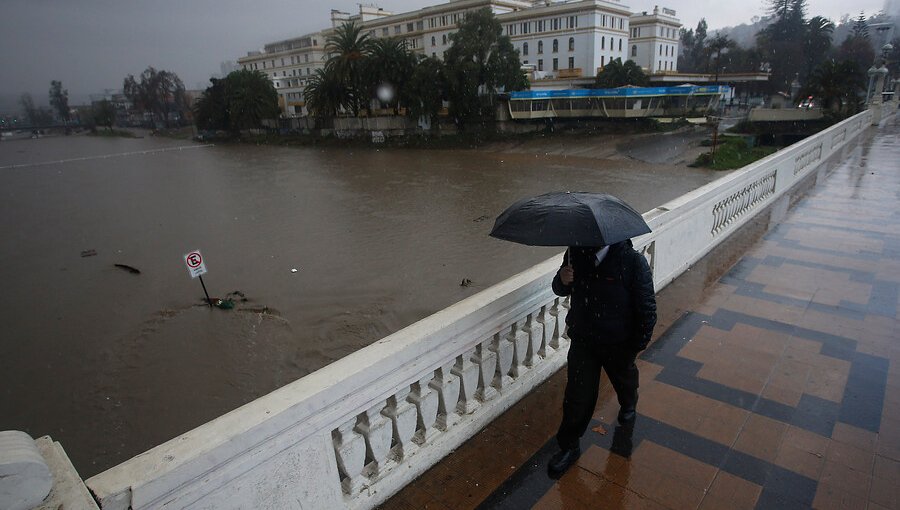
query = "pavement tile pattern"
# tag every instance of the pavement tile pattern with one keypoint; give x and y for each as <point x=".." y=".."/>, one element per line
<point x="780" y="388"/>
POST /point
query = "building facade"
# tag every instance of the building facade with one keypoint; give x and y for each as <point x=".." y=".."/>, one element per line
<point x="567" y="40"/>
<point x="654" y="40"/>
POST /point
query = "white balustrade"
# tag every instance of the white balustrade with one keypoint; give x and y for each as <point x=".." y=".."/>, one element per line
<point x="353" y="433"/>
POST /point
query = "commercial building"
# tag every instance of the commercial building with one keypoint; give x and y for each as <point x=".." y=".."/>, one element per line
<point x="561" y="44"/>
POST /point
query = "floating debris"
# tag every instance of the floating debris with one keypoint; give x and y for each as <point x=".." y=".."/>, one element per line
<point x="600" y="430"/>
<point x="294" y="270"/>
<point x="465" y="282"/>
<point x="481" y="218"/>
<point x="89" y="253"/>
<point x="126" y="267"/>
<point x="224" y="304"/>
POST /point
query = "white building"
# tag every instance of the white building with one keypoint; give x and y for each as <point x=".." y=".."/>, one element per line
<point x="559" y="41"/>
<point x="569" y="39"/>
<point x="654" y="40"/>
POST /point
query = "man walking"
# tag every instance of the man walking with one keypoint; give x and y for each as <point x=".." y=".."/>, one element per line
<point x="611" y="318"/>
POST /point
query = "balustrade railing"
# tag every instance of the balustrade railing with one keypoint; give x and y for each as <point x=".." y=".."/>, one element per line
<point x="353" y="433"/>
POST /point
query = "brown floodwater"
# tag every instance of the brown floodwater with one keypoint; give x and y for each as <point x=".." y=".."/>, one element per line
<point x="112" y="363"/>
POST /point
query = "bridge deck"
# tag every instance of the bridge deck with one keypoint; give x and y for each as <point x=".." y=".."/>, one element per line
<point x="773" y="385"/>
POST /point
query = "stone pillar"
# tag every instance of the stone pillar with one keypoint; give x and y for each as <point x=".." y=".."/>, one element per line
<point x="25" y="478"/>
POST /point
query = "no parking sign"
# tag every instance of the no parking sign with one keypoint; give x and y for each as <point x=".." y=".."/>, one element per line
<point x="195" y="264"/>
<point x="197" y="267"/>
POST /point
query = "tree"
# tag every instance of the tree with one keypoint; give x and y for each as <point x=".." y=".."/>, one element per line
<point x="693" y="43"/>
<point x="59" y="100"/>
<point x="325" y="94"/>
<point x="480" y="62"/>
<point x="818" y="42"/>
<point x="239" y="101"/>
<point x="251" y="97"/>
<point x="349" y="47"/>
<point x="104" y="114"/>
<point x="837" y="85"/>
<point x="31" y="112"/>
<point x="160" y="93"/>
<point x="389" y="66"/>
<point x="616" y="74"/>
<point x="782" y="42"/>
<point x="427" y="88"/>
<point x="718" y="44"/>
<point x="211" y="108"/>
<point x="861" y="27"/>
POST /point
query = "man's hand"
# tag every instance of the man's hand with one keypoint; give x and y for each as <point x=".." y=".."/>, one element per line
<point x="566" y="275"/>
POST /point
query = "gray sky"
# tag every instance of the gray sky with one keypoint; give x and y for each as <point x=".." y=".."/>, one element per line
<point x="91" y="45"/>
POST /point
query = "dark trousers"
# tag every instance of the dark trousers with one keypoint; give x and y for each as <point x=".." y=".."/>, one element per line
<point x="586" y="359"/>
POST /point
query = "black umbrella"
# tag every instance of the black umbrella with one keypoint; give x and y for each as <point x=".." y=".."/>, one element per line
<point x="569" y="219"/>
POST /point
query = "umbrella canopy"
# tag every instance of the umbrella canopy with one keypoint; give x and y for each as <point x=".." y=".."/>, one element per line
<point x="569" y="219"/>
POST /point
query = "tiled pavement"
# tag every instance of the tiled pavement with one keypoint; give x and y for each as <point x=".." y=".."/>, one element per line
<point x="774" y="386"/>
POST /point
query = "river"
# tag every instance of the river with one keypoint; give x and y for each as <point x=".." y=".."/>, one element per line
<point x="112" y="363"/>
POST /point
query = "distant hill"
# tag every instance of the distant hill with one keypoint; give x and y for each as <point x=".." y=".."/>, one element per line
<point x="745" y="33"/>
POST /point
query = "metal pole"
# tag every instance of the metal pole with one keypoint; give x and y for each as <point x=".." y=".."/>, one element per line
<point x="208" y="300"/>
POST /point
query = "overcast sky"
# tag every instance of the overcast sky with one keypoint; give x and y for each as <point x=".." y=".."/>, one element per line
<point x="91" y="45"/>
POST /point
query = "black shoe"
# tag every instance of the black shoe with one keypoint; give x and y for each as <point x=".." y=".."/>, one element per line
<point x="627" y="416"/>
<point x="562" y="460"/>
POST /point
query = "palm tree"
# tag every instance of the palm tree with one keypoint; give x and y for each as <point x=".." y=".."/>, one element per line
<point x="389" y="67"/>
<point x="718" y="45"/>
<point x="349" y="47"/>
<point x="251" y="98"/>
<point x="326" y="94"/>
<point x="837" y="85"/>
<point x="817" y="42"/>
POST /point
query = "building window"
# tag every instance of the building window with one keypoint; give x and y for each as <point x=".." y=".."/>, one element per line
<point x="556" y="64"/>
<point x="571" y="62"/>
<point x="444" y="37"/>
<point x="306" y="57"/>
<point x="571" y="44"/>
<point x="433" y="41"/>
<point x="620" y="44"/>
<point x="525" y="49"/>
<point x="602" y="60"/>
<point x="410" y="27"/>
<point x="660" y="49"/>
<point x="540" y="47"/>
<point x="634" y="50"/>
<point x="540" y="64"/>
<point x="603" y="43"/>
<point x="396" y="29"/>
<point x="555" y="46"/>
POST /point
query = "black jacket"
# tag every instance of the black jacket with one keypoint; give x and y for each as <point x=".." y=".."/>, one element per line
<point x="612" y="303"/>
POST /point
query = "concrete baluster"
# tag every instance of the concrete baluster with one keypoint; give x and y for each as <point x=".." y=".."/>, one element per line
<point x="520" y="340"/>
<point x="377" y="430"/>
<point x="467" y="372"/>
<point x="534" y="329"/>
<point x="350" y="450"/>
<point x="486" y="359"/>
<point x="403" y="416"/>
<point x="447" y="385"/>
<point x="547" y="324"/>
<point x="502" y="344"/>
<point x="426" y="402"/>
<point x="558" y="313"/>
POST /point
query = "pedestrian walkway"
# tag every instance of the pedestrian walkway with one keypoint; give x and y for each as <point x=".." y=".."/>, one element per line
<point x="774" y="386"/>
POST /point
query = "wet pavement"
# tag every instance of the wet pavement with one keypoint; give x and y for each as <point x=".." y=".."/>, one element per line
<point x="772" y="382"/>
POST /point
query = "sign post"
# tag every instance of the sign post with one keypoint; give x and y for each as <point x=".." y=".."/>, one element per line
<point x="197" y="268"/>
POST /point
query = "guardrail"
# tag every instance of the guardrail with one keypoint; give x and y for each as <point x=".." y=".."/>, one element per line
<point x="353" y="433"/>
